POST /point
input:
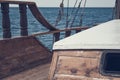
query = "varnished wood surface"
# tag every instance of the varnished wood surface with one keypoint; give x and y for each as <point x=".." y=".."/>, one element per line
<point x="37" y="73"/>
<point x="17" y="2"/>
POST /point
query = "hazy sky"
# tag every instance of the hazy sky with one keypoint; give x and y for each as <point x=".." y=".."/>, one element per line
<point x="90" y="3"/>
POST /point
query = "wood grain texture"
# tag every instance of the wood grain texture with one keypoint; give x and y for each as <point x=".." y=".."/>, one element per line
<point x="39" y="72"/>
<point x="73" y="77"/>
<point x="77" y="65"/>
<point x="21" y="53"/>
<point x="53" y="66"/>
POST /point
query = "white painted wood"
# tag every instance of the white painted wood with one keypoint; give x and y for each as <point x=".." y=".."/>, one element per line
<point x="103" y="36"/>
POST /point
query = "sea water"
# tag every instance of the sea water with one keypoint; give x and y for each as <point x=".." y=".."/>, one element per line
<point x="91" y="17"/>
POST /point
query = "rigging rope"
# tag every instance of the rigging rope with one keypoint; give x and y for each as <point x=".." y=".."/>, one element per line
<point x="113" y="12"/>
<point x="76" y="13"/>
<point x="69" y="18"/>
<point x="72" y="11"/>
<point x="82" y="13"/>
<point x="74" y="6"/>
<point x="67" y="14"/>
<point x="60" y="13"/>
<point x="59" y="17"/>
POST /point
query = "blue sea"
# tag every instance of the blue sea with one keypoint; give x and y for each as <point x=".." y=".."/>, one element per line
<point x="91" y="16"/>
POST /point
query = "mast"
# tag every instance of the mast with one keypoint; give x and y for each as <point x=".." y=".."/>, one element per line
<point x="117" y="9"/>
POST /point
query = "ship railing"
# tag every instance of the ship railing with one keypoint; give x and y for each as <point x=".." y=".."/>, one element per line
<point x="23" y="5"/>
<point x="56" y="33"/>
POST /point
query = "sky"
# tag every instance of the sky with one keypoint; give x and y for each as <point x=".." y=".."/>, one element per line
<point x="90" y="3"/>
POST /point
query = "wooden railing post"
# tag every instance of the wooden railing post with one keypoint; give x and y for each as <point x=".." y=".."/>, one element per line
<point x="23" y="19"/>
<point x="117" y="9"/>
<point x="67" y="33"/>
<point x="77" y="31"/>
<point x="56" y="37"/>
<point x="5" y="20"/>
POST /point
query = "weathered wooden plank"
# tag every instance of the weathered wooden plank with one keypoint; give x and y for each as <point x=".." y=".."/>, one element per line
<point x="53" y="67"/>
<point x="21" y="53"/>
<point x="39" y="72"/>
<point x="80" y="53"/>
<point x="77" y="66"/>
<point x="68" y="59"/>
<point x="74" y="77"/>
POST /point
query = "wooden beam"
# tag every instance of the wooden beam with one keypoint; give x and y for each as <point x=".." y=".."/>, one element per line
<point x="17" y="2"/>
<point x="23" y="19"/>
<point x="117" y="9"/>
<point x="56" y="37"/>
<point x="67" y="33"/>
<point x="57" y="31"/>
<point x="37" y="14"/>
<point x="5" y="20"/>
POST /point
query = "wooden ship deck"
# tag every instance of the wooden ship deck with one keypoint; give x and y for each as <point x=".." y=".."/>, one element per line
<point x="39" y="72"/>
<point x="25" y="57"/>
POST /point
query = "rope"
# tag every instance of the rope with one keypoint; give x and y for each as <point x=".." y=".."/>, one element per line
<point x="61" y="10"/>
<point x="67" y="14"/>
<point x="76" y="13"/>
<point x="72" y="11"/>
<point x="82" y="13"/>
<point x="60" y="13"/>
<point x="113" y="13"/>
<point x="74" y="6"/>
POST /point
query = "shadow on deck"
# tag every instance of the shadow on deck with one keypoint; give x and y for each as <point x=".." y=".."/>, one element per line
<point x="37" y="73"/>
